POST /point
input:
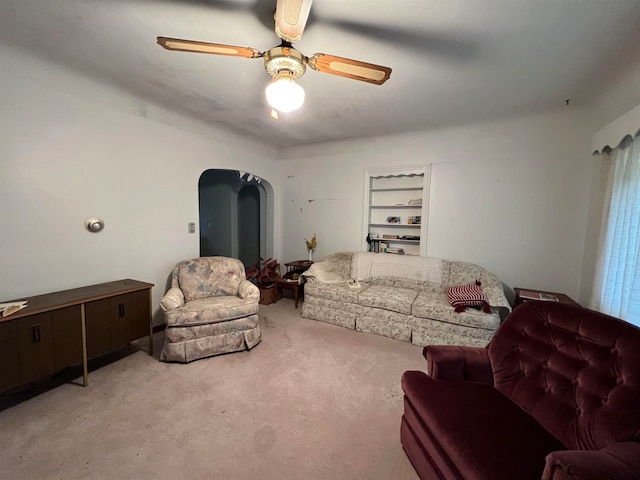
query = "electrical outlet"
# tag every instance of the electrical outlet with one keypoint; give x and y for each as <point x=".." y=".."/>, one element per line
<point x="192" y="227"/>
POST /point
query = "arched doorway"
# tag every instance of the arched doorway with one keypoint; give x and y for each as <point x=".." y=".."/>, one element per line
<point x="236" y="215"/>
<point x="249" y="224"/>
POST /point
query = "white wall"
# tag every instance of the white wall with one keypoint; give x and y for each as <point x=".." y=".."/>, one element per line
<point x="622" y="96"/>
<point x="64" y="158"/>
<point x="509" y="195"/>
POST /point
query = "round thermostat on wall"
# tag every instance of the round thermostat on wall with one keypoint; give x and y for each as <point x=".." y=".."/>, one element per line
<point x="94" y="224"/>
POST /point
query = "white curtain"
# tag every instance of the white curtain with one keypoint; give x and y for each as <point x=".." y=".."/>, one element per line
<point x="617" y="277"/>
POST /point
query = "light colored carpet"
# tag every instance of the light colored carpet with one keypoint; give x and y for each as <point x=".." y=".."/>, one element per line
<point x="311" y="401"/>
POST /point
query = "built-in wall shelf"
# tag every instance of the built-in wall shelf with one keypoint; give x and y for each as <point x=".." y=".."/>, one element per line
<point x="397" y="240"/>
<point x="400" y="189"/>
<point x="395" y="225"/>
<point x="396" y="206"/>
<point x="396" y="203"/>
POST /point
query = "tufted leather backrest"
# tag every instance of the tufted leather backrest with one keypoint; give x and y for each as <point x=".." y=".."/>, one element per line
<point x="574" y="370"/>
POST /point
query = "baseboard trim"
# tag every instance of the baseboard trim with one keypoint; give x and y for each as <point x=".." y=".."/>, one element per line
<point x="159" y="328"/>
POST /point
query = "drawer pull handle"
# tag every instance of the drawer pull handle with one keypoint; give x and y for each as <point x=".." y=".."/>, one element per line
<point x="121" y="310"/>
<point x="35" y="333"/>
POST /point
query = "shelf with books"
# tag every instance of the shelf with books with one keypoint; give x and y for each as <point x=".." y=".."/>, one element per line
<point x="396" y="204"/>
<point x="396" y="240"/>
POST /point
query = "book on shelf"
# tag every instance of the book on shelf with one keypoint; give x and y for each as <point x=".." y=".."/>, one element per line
<point x="397" y="251"/>
<point x="7" y="309"/>
<point x="391" y="237"/>
<point x="533" y="295"/>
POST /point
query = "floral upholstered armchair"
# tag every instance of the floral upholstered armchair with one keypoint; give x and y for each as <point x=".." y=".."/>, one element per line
<point x="210" y="309"/>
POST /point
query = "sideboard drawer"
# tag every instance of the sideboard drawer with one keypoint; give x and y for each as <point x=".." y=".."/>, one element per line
<point x="35" y="340"/>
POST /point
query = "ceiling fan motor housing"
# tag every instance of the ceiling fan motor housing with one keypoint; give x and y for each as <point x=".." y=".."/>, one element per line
<point x="284" y="60"/>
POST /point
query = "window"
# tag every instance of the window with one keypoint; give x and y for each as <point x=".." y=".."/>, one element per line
<point x="617" y="277"/>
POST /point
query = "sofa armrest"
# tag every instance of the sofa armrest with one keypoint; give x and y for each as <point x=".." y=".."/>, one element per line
<point x="494" y="290"/>
<point x="174" y="298"/>
<point x="620" y="461"/>
<point x="324" y="272"/>
<point x="248" y="291"/>
<point x="448" y="362"/>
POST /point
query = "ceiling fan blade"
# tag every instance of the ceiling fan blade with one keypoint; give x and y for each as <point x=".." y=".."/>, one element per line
<point x="205" y="47"/>
<point x="291" y="17"/>
<point x="448" y="45"/>
<point x="345" y="67"/>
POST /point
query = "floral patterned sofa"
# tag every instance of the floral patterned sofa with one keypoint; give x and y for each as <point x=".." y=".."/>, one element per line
<point x="402" y="297"/>
<point x="210" y="309"/>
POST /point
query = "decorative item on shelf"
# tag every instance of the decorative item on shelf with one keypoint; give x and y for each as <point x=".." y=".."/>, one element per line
<point x="393" y="219"/>
<point x="311" y="246"/>
<point x="415" y="220"/>
<point x="415" y="201"/>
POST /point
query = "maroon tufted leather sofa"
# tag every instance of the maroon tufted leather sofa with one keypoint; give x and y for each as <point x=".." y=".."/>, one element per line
<point x="555" y="395"/>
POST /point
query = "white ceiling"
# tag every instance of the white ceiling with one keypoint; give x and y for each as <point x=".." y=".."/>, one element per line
<point x="453" y="61"/>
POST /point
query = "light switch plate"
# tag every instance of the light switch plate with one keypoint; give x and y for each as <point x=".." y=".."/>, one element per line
<point x="192" y="227"/>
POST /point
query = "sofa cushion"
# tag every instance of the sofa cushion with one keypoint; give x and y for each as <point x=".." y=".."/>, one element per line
<point x="389" y="298"/>
<point x="339" y="292"/>
<point x="211" y="310"/>
<point x="409" y="284"/>
<point x="461" y="273"/>
<point x="473" y="431"/>
<point x="436" y="306"/>
<point x="366" y="265"/>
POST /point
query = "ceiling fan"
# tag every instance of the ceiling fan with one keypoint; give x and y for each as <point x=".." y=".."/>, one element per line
<point x="283" y="62"/>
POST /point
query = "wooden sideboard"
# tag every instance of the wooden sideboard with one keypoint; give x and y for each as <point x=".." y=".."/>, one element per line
<point x="61" y="329"/>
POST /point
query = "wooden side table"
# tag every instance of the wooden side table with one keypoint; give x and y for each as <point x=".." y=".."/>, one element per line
<point x="290" y="284"/>
<point x="290" y="280"/>
<point x="523" y="295"/>
<point x="298" y="266"/>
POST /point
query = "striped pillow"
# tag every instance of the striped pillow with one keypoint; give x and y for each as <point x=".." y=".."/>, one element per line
<point x="463" y="296"/>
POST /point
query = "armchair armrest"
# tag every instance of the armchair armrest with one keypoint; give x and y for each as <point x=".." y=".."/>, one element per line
<point x="174" y="298"/>
<point x="620" y="461"/>
<point x="248" y="291"/>
<point x="448" y="362"/>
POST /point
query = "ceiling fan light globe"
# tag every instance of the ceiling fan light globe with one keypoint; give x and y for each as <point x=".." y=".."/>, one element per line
<point x="285" y="95"/>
